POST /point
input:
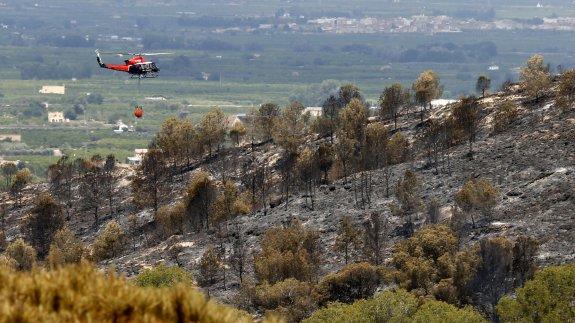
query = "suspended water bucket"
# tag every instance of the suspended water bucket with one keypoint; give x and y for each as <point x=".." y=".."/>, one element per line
<point x="138" y="112"/>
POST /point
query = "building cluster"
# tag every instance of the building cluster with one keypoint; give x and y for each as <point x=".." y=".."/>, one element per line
<point x="431" y="25"/>
<point x="413" y="24"/>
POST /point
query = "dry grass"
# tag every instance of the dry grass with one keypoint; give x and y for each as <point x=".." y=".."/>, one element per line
<point x="82" y="293"/>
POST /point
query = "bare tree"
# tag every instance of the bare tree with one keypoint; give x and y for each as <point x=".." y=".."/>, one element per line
<point x="110" y="181"/>
<point x="408" y="193"/>
<point x="19" y="183"/>
<point x="91" y="186"/>
<point x="61" y="180"/>
<point x="348" y="238"/>
<point x="209" y="268"/>
<point x="239" y="257"/>
<point x="466" y="114"/>
<point x="308" y="172"/>
<point x="152" y="179"/>
<point x="375" y="232"/>
<point x="324" y="157"/>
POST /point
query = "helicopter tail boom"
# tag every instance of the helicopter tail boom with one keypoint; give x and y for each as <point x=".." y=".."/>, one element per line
<point x="102" y="65"/>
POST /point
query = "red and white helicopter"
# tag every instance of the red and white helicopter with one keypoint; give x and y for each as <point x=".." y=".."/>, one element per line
<point x="137" y="66"/>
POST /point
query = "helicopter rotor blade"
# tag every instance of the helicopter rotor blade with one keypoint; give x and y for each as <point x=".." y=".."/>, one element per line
<point x="118" y="54"/>
<point x="156" y="54"/>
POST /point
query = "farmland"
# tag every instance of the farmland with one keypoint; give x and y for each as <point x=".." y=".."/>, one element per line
<point x="42" y="44"/>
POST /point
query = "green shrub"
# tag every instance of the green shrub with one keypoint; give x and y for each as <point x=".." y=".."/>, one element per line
<point x="394" y="306"/>
<point x="436" y="311"/>
<point x="290" y="299"/>
<point x="549" y="297"/>
<point x="163" y="276"/>
<point x="424" y="259"/>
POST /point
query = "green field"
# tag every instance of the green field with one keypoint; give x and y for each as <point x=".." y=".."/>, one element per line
<point x="96" y="137"/>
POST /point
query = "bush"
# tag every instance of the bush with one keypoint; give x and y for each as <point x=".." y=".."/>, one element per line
<point x="353" y="282"/>
<point x="549" y="297"/>
<point x="198" y="201"/>
<point x="3" y="242"/>
<point x="291" y="299"/>
<point x="109" y="243"/>
<point x="477" y="196"/>
<point x="398" y="147"/>
<point x="82" y="293"/>
<point x="209" y="268"/>
<point x="23" y="255"/>
<point x="505" y="116"/>
<point x="7" y="263"/>
<point x="426" y="258"/>
<point x="171" y="219"/>
<point x="164" y="276"/>
<point x="395" y="306"/>
<point x="291" y="252"/>
<point x="565" y="95"/>
<point x="535" y="77"/>
<point x="65" y="249"/>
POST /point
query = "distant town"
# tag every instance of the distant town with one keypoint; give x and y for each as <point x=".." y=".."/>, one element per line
<point x="413" y="24"/>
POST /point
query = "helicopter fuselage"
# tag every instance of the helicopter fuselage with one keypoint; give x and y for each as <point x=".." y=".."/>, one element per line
<point x="136" y="66"/>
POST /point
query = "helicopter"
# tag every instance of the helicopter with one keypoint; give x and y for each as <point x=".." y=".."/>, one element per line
<point x="136" y="66"/>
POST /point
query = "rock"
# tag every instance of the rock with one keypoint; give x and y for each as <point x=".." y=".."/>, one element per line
<point x="514" y="193"/>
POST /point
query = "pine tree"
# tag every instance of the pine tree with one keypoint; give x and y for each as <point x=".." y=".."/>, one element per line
<point x="44" y="219"/>
<point x="392" y="100"/>
<point x="212" y="130"/>
<point x="483" y="84"/>
<point x="426" y="89"/>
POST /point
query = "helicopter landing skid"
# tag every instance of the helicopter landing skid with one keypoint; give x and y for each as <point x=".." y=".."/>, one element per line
<point x="149" y="76"/>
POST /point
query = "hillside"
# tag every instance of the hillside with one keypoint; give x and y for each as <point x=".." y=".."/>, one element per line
<point x="531" y="163"/>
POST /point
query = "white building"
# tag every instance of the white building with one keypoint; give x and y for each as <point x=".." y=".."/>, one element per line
<point x="138" y="157"/>
<point x="11" y="137"/>
<point x="441" y="102"/>
<point x="315" y="112"/>
<point x="50" y="89"/>
<point x="122" y="127"/>
<point x="155" y="98"/>
<point x="56" y="117"/>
